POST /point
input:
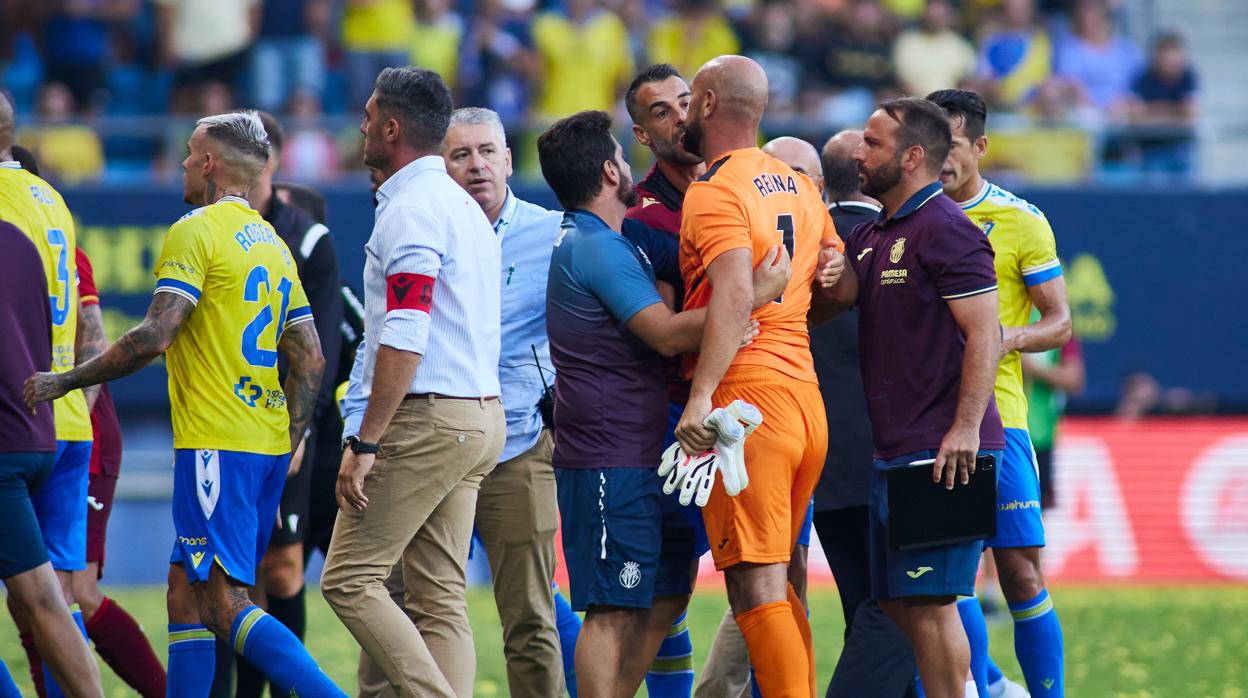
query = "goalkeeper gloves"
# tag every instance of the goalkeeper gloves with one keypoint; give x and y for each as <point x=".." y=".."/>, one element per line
<point x="695" y="475"/>
<point x="732" y="424"/>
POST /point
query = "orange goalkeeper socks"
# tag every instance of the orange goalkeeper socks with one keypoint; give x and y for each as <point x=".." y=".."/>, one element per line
<point x="803" y="626"/>
<point x="781" y="662"/>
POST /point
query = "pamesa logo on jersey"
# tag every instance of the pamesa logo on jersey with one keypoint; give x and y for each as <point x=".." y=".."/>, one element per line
<point x="630" y="576"/>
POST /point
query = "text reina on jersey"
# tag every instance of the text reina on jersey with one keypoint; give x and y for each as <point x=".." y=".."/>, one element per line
<point x="768" y="184"/>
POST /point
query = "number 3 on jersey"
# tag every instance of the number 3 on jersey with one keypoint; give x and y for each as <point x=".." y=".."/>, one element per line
<point x="60" y="295"/>
<point x="257" y="277"/>
<point x="784" y="224"/>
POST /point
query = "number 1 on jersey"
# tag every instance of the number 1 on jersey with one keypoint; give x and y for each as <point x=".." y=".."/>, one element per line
<point x="784" y="224"/>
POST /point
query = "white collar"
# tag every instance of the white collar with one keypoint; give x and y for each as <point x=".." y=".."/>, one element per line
<point x="979" y="196"/>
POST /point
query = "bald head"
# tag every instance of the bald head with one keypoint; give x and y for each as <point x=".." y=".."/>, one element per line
<point x="844" y="142"/>
<point x="739" y="85"/>
<point x="728" y="96"/>
<point x="795" y="153"/>
<point x="840" y="170"/>
<point x="6" y="127"/>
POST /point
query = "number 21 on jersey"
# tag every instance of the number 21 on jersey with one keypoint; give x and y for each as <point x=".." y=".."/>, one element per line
<point x="259" y="277"/>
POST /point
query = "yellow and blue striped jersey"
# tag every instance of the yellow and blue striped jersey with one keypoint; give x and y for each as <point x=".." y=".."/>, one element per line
<point x="1026" y="255"/>
<point x="224" y="390"/>
<point x="39" y="211"/>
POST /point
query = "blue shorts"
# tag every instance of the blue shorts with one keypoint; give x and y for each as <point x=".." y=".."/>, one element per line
<point x="692" y="514"/>
<point x="21" y="543"/>
<point x="61" y="505"/>
<point x="947" y="570"/>
<point x="624" y="541"/>
<point x="1019" y="524"/>
<point x="224" y="506"/>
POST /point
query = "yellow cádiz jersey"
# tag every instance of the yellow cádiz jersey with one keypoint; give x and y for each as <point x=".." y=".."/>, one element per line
<point x="34" y="206"/>
<point x="224" y="392"/>
<point x="1026" y="255"/>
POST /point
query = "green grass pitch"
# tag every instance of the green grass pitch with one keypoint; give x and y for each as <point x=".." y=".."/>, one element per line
<point x="1128" y="641"/>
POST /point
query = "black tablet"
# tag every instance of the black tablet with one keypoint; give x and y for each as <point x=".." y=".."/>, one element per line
<point x="923" y="514"/>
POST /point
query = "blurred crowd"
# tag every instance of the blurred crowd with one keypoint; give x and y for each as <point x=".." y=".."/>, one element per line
<point x="96" y="81"/>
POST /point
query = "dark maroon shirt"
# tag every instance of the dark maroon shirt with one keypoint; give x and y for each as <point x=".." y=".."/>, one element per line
<point x="660" y="203"/>
<point x="26" y="328"/>
<point x="909" y="267"/>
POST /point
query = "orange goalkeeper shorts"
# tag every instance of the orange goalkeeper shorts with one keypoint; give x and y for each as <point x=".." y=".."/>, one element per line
<point x="783" y="459"/>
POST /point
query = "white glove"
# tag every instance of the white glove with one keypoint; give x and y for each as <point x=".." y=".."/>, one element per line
<point x="731" y="425"/>
<point x="694" y="475"/>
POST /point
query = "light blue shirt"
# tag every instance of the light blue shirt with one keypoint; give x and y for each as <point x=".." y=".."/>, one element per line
<point x="527" y="234"/>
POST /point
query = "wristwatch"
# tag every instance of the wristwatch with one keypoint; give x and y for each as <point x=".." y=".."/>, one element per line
<point x="360" y="447"/>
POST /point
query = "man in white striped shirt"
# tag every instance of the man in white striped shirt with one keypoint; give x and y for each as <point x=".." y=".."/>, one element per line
<point x="434" y="426"/>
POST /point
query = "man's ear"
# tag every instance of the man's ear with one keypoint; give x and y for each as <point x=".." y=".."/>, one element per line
<point x="210" y="165"/>
<point x="981" y="147"/>
<point x="507" y="160"/>
<point x="610" y="174"/>
<point x="709" y="104"/>
<point x="914" y="158"/>
<point x="390" y="132"/>
<point x="640" y="134"/>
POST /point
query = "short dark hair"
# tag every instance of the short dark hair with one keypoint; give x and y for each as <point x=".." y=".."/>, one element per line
<point x="840" y="175"/>
<point x="655" y="73"/>
<point x="273" y="127"/>
<point x="419" y="101"/>
<point x="923" y="124"/>
<point x="966" y="105"/>
<point x="571" y="153"/>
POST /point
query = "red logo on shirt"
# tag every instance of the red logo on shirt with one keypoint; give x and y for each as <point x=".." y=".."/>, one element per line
<point x="409" y="292"/>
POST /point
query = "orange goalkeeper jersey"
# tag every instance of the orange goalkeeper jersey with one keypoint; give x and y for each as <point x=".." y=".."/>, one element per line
<point x="748" y="199"/>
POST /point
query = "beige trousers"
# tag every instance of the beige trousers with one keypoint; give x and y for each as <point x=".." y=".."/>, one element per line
<point x="727" y="670"/>
<point x="422" y="496"/>
<point x="517" y="515"/>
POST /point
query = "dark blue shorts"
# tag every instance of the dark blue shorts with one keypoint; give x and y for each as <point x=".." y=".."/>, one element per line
<point x="61" y="505"/>
<point x="1018" y="495"/>
<point x="21" y="542"/>
<point x="947" y="570"/>
<point x="624" y="542"/>
<point x="224" y="506"/>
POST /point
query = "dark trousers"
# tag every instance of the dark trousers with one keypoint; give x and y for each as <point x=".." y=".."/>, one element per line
<point x="877" y="660"/>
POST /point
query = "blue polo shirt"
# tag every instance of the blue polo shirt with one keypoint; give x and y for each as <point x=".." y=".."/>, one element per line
<point x="909" y="266"/>
<point x="610" y="396"/>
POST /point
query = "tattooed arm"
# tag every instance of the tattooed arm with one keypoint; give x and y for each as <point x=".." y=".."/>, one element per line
<point x="90" y="342"/>
<point x="302" y="348"/>
<point x="133" y="351"/>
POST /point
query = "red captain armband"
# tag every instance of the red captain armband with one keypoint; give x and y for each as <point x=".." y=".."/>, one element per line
<point x="409" y="292"/>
